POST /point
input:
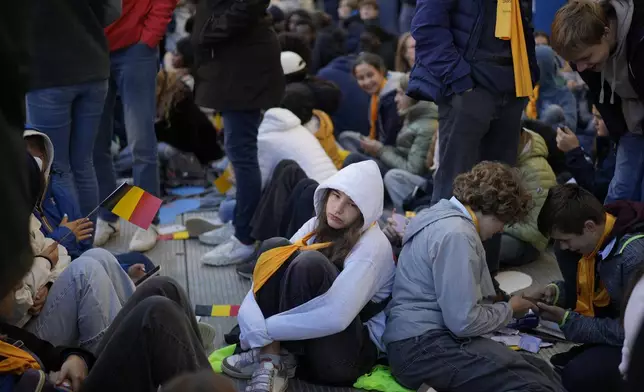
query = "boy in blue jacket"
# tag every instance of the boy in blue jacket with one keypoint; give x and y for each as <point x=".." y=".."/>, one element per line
<point x="60" y="216"/>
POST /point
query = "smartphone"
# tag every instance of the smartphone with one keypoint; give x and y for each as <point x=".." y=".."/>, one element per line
<point x="153" y="272"/>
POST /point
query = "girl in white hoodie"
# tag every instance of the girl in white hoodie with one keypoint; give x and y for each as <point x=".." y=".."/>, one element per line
<point x="321" y="298"/>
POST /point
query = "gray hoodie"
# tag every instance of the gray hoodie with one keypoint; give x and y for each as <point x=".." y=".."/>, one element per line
<point x="442" y="280"/>
<point x="617" y="72"/>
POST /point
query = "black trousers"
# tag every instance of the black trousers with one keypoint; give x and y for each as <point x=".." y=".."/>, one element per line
<point x="590" y="368"/>
<point x="332" y="360"/>
<point x="153" y="339"/>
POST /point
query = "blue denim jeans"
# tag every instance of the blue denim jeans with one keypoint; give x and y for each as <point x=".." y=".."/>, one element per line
<point x="400" y="184"/>
<point x="628" y="180"/>
<point x="83" y="301"/>
<point x="133" y="77"/>
<point x="70" y="116"/>
<point x="227" y="210"/>
<point x="240" y="143"/>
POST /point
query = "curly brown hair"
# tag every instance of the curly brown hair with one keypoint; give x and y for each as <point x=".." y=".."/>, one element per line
<point x="494" y="189"/>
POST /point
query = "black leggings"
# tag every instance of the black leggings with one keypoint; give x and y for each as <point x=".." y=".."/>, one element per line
<point x="332" y="360"/>
<point x="153" y="339"/>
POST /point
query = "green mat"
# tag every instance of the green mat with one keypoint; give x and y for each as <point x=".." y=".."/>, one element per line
<point x="217" y="357"/>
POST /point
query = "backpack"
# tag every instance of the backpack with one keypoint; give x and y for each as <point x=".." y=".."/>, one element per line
<point x="184" y="169"/>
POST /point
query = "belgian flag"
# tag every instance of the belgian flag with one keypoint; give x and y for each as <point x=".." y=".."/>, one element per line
<point x="133" y="204"/>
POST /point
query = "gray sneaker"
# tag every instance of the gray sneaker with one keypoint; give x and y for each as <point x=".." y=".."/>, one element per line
<point x="218" y="236"/>
<point x="268" y="378"/>
<point x="243" y="365"/>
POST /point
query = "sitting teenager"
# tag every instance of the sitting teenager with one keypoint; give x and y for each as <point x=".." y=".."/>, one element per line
<point x="318" y="304"/>
<point x="552" y="102"/>
<point x="406" y="53"/>
<point x="443" y="296"/>
<point x="153" y="339"/>
<point x="592" y="170"/>
<point x="385" y="122"/>
<point x="54" y="208"/>
<point x="522" y="243"/>
<point x="300" y="101"/>
<point x="597" y="248"/>
<point x="183" y="62"/>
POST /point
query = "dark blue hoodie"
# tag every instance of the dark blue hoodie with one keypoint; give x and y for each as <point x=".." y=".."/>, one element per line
<point x="353" y="112"/>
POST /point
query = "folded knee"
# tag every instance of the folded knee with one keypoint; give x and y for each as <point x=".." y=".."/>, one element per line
<point x="312" y="263"/>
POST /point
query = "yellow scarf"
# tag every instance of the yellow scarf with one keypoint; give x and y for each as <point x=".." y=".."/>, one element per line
<point x="509" y="26"/>
<point x="375" y="101"/>
<point x="327" y="139"/>
<point x="16" y="361"/>
<point x="475" y="219"/>
<point x="531" y="108"/>
<point x="587" y="295"/>
<point x="271" y="260"/>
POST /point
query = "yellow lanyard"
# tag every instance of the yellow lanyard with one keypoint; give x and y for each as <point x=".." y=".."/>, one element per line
<point x="475" y="219"/>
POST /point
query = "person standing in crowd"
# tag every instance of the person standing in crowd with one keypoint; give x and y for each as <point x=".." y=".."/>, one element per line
<point x="134" y="56"/>
<point x="469" y="71"/>
<point x="605" y="42"/>
<point x="239" y="73"/>
<point x="69" y="69"/>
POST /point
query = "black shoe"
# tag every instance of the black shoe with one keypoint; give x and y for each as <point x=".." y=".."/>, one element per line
<point x="246" y="270"/>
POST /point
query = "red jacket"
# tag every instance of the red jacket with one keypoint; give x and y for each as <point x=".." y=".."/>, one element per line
<point x="141" y="21"/>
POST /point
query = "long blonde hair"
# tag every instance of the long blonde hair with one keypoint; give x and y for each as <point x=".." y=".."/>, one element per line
<point x="402" y="65"/>
<point x="170" y="90"/>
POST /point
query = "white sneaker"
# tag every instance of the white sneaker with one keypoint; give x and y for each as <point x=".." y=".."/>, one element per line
<point x="104" y="231"/>
<point x="228" y="253"/>
<point x="268" y="378"/>
<point x="144" y="240"/>
<point x="245" y="364"/>
<point x="218" y="236"/>
<point x="198" y="226"/>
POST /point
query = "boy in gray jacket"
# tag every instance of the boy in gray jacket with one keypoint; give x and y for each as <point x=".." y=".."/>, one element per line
<point x="443" y="293"/>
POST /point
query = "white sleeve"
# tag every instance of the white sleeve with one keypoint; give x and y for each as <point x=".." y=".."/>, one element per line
<point x="37" y="277"/>
<point x="331" y="312"/>
<point x="252" y="324"/>
<point x="304" y="230"/>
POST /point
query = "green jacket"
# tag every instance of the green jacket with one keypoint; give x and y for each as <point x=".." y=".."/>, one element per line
<point x="413" y="141"/>
<point x="538" y="178"/>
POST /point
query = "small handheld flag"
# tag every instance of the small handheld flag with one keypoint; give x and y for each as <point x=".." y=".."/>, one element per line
<point x="217" y="310"/>
<point x="179" y="235"/>
<point x="222" y="183"/>
<point x="133" y="204"/>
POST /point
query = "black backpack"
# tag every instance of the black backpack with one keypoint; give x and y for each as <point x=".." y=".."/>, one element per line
<point x="184" y="169"/>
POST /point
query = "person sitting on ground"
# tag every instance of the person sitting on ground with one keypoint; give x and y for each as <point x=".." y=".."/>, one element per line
<point x="442" y="302"/>
<point x="403" y="165"/>
<point x="597" y="248"/>
<point x="278" y="17"/>
<point x="552" y="103"/>
<point x="326" y="94"/>
<point x="296" y="16"/>
<point x="351" y="23"/>
<point x="522" y="243"/>
<point x="44" y="303"/>
<point x="541" y="38"/>
<point x="53" y="207"/>
<point x="183" y="62"/>
<point x="369" y="11"/>
<point x="385" y="122"/>
<point x="281" y="136"/>
<point x="374" y="39"/>
<point x="406" y="53"/>
<point x="341" y="268"/>
<point x="306" y="29"/>
<point x="330" y="43"/>
<point x="153" y="339"/>
<point x="593" y="174"/>
<point x="300" y="101"/>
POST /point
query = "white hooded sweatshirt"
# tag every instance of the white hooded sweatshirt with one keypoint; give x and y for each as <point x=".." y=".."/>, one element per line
<point x="282" y="136"/>
<point x="41" y="272"/>
<point x="368" y="273"/>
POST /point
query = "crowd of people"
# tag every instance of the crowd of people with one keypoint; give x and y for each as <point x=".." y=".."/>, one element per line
<point x="385" y="161"/>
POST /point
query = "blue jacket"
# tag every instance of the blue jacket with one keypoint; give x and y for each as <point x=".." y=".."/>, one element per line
<point x="354" y="28"/>
<point x="448" y="34"/>
<point x="353" y="111"/>
<point x="552" y="88"/>
<point x="594" y="176"/>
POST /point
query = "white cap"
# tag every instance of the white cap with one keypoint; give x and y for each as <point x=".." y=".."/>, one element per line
<point x="292" y="63"/>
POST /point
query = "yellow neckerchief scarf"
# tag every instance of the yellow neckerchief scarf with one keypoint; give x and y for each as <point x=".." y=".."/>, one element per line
<point x="587" y="295"/>
<point x="16" y="361"/>
<point x="509" y="26"/>
<point x="327" y="140"/>
<point x="271" y="260"/>
<point x="475" y="219"/>
<point x="531" y="108"/>
<point x="375" y="101"/>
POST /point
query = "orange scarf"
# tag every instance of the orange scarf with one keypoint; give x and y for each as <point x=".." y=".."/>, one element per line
<point x="587" y="294"/>
<point x="15" y="360"/>
<point x="509" y="26"/>
<point x="375" y="101"/>
<point x="531" y="108"/>
<point x="271" y="260"/>
<point x="475" y="219"/>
